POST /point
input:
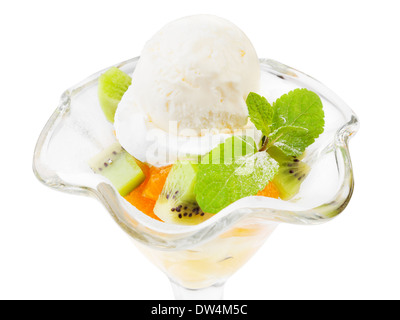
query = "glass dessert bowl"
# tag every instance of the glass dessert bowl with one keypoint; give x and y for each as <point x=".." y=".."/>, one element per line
<point x="199" y="259"/>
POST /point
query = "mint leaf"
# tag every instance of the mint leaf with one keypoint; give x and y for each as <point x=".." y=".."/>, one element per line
<point x="260" y="112"/>
<point x="297" y="121"/>
<point x="235" y="169"/>
<point x="233" y="148"/>
<point x="219" y="185"/>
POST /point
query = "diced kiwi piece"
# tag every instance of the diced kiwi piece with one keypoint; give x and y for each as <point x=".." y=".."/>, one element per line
<point x="292" y="172"/>
<point x="112" y="86"/>
<point x="119" y="167"/>
<point x="177" y="201"/>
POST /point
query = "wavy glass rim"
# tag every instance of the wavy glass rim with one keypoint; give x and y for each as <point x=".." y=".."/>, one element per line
<point x="265" y="210"/>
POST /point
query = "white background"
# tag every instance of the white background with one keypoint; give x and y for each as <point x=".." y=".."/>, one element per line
<point x="59" y="246"/>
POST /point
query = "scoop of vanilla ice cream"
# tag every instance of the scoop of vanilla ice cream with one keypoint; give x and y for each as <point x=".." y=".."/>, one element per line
<point x="196" y="71"/>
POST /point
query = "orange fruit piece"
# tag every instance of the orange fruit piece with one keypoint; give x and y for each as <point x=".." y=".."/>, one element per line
<point x="270" y="191"/>
<point x="145" y="196"/>
<point x="156" y="182"/>
<point x="136" y="198"/>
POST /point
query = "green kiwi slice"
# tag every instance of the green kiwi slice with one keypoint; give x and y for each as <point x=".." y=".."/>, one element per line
<point x="119" y="167"/>
<point x="291" y="174"/>
<point x="177" y="201"/>
<point x="112" y="86"/>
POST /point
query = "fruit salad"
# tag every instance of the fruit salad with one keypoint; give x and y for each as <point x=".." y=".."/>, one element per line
<point x="217" y="138"/>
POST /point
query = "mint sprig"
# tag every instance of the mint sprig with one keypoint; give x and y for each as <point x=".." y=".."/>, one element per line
<point x="236" y="169"/>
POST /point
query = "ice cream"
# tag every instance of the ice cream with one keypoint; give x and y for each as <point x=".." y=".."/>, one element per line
<point x="194" y="74"/>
